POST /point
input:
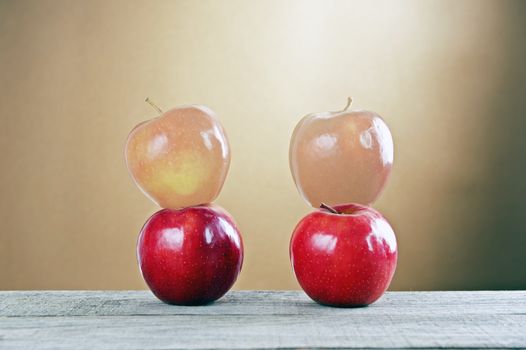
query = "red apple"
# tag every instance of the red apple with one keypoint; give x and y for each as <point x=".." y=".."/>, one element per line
<point x="190" y="256"/>
<point x="344" y="256"/>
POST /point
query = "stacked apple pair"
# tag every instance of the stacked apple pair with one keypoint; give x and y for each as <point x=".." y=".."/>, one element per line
<point x="343" y="254"/>
<point x="190" y="252"/>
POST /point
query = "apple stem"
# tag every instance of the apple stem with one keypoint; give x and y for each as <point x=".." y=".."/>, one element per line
<point x="349" y="102"/>
<point x="329" y="208"/>
<point x="153" y="105"/>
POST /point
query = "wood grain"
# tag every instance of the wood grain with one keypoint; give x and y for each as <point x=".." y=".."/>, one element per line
<point x="260" y="319"/>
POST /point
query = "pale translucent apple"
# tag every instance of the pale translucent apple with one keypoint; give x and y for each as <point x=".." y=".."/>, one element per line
<point x="341" y="157"/>
<point x="180" y="158"/>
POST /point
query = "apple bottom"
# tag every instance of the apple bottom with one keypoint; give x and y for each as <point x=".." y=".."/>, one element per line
<point x="190" y="256"/>
<point x="345" y="256"/>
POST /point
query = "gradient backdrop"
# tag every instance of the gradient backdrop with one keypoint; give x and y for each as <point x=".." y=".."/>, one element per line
<point x="449" y="77"/>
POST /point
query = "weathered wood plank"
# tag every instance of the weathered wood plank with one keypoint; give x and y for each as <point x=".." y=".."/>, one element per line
<point x="133" y="303"/>
<point x="133" y="320"/>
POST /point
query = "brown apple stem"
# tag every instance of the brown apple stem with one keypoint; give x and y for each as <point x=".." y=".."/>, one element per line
<point x="329" y="208"/>
<point x="349" y="102"/>
<point x="154" y="106"/>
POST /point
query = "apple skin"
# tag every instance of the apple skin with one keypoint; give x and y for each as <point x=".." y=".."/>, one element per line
<point x="180" y="158"/>
<point x="346" y="259"/>
<point x="190" y="256"/>
<point x="341" y="157"/>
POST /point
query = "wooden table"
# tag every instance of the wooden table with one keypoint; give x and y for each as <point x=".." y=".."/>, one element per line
<point x="260" y="319"/>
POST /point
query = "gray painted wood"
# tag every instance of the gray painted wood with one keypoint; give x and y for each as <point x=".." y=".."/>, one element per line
<point x="260" y="319"/>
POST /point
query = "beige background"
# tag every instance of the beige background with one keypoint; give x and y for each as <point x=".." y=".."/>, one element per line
<point x="449" y="77"/>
